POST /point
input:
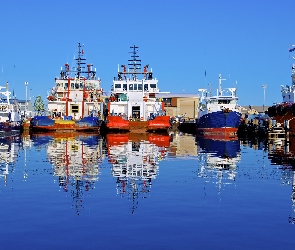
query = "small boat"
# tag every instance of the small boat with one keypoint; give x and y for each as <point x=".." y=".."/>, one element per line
<point x="219" y="114"/>
<point x="75" y="102"/>
<point x="284" y="112"/>
<point x="10" y="116"/>
<point x="133" y="105"/>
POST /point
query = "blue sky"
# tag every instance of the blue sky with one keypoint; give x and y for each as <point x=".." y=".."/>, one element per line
<point x="245" y="41"/>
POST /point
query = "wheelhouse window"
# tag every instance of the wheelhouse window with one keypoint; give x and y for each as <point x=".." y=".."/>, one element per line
<point x="135" y="86"/>
<point x="140" y="86"/>
<point x="117" y="86"/>
<point x="153" y="86"/>
<point x="223" y="101"/>
<point x="130" y="86"/>
<point x="74" y="108"/>
<point x="125" y="87"/>
<point x="146" y="86"/>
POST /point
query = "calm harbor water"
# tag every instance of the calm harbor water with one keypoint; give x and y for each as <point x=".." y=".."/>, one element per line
<point x="153" y="192"/>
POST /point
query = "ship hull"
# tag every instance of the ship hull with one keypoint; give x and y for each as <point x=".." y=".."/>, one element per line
<point x="160" y="123"/>
<point x="282" y="113"/>
<point x="45" y="124"/>
<point x="219" y="122"/>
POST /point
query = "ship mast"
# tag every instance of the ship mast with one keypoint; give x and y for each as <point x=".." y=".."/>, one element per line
<point x="134" y="62"/>
<point x="220" y="87"/>
<point x="293" y="66"/>
<point x="135" y="67"/>
<point x="80" y="68"/>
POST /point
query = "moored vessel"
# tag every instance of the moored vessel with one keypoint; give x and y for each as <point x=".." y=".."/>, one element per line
<point x="219" y="114"/>
<point x="75" y="102"/>
<point x="10" y="116"/>
<point x="284" y="112"/>
<point x="133" y="105"/>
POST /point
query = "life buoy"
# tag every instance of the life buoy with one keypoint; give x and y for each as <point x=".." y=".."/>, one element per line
<point x="85" y="95"/>
<point x="145" y="99"/>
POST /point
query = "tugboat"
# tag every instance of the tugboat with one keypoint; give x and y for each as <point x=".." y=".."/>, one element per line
<point x="10" y="117"/>
<point x="75" y="102"/>
<point x="133" y="105"/>
<point x="220" y="114"/>
<point x="283" y="113"/>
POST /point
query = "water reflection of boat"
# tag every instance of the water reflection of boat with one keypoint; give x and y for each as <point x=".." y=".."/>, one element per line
<point x="218" y="159"/>
<point x="134" y="159"/>
<point x="75" y="159"/>
<point x="282" y="153"/>
<point x="9" y="148"/>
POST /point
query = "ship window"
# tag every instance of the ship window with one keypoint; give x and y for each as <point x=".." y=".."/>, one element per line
<point x="146" y="87"/>
<point x="124" y="86"/>
<point x="74" y="109"/>
<point x="167" y="101"/>
<point x="153" y="86"/>
<point x="135" y="86"/>
<point x="140" y="86"/>
<point x="81" y="85"/>
<point x="117" y="86"/>
<point x="223" y="101"/>
<point x="130" y="86"/>
<point x="72" y="85"/>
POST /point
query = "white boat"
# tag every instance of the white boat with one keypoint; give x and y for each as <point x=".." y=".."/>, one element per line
<point x="75" y="102"/>
<point x="77" y="92"/>
<point x="10" y="114"/>
<point x="133" y="104"/>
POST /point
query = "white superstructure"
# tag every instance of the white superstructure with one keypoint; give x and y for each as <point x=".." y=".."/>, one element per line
<point x="133" y="93"/>
<point x="77" y="92"/>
